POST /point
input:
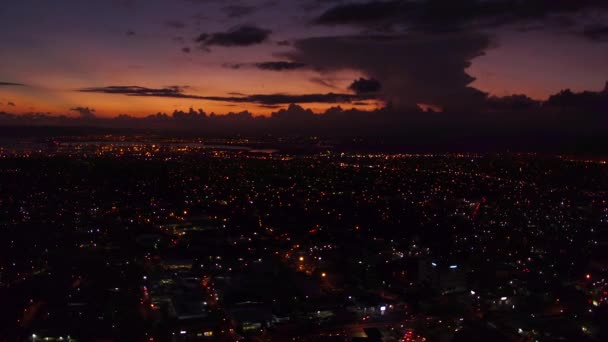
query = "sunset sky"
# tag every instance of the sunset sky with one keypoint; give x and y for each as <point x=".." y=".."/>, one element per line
<point x="139" y="57"/>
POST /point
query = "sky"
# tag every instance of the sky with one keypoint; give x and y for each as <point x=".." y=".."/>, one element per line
<point x="105" y="58"/>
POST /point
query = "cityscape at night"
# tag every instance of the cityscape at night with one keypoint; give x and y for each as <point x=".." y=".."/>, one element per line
<point x="304" y="170"/>
<point x="139" y="238"/>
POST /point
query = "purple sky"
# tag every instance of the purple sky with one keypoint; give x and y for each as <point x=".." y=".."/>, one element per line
<point x="418" y="54"/>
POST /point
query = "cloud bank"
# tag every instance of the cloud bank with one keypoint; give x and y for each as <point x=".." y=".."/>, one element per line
<point x="265" y="99"/>
<point x="567" y="121"/>
<point x="239" y="36"/>
<point x="413" y="68"/>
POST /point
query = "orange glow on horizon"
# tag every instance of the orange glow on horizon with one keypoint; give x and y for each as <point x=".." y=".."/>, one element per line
<point x="59" y="93"/>
<point x="109" y="106"/>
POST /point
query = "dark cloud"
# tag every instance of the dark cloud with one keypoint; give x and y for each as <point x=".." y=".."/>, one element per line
<point x="173" y="91"/>
<point x="280" y="66"/>
<point x="283" y="43"/>
<point x="186" y="50"/>
<point x="515" y="123"/>
<point x="449" y="15"/>
<point x="239" y="36"/>
<point x="272" y="106"/>
<point x="269" y="66"/>
<point x="597" y="32"/>
<point x="267" y="99"/>
<point x="11" y="84"/>
<point x="130" y="33"/>
<point x="237" y="11"/>
<point x="428" y="63"/>
<point x="413" y="68"/>
<point x="176" y="24"/>
<point x="84" y="112"/>
<point x="12" y="104"/>
<point x="362" y="13"/>
<point x="324" y="82"/>
<point x="365" y="86"/>
<point x="306" y="98"/>
<point x="512" y="102"/>
<point x="588" y="100"/>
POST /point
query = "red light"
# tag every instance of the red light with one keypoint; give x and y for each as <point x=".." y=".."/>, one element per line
<point x="588" y="276"/>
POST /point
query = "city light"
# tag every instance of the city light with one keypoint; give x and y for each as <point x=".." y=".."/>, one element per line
<point x="244" y="264"/>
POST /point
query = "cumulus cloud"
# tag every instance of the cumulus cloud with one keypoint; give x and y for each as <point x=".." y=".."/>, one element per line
<point x="588" y="100"/>
<point x="365" y="86"/>
<point x="413" y="68"/>
<point x="511" y="102"/>
<point x="513" y="122"/>
<point x="239" y="36"/>
<point x="84" y="112"/>
<point x="426" y="46"/>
